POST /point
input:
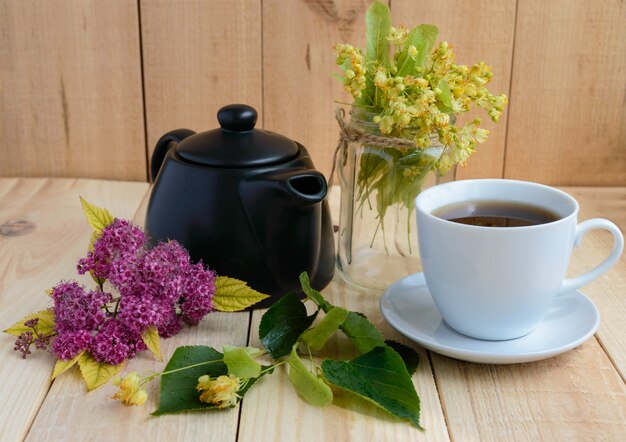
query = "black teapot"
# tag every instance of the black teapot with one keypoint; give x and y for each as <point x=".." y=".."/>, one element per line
<point x="246" y="201"/>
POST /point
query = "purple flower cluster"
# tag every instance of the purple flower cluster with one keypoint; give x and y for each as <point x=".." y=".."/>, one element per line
<point x="157" y="286"/>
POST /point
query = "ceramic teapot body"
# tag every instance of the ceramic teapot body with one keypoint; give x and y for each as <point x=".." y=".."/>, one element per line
<point x="263" y="224"/>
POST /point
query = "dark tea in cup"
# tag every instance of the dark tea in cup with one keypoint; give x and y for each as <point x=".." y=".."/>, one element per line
<point x="496" y="214"/>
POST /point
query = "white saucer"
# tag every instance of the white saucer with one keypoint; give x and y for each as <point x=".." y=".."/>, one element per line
<point x="409" y="308"/>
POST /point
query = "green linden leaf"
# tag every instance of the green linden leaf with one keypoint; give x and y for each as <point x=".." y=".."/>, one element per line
<point x="240" y="361"/>
<point x="44" y="327"/>
<point x="444" y="99"/>
<point x="378" y="26"/>
<point x="97" y="217"/>
<point x="151" y="338"/>
<point x="380" y="377"/>
<point x="423" y="37"/>
<point x="313" y="294"/>
<point x="363" y="334"/>
<point x="282" y="325"/>
<point x="409" y="356"/>
<point x="233" y="295"/>
<point x="96" y="373"/>
<point x="317" y="336"/>
<point x="312" y="388"/>
<point x="178" y="389"/>
<point x="62" y="366"/>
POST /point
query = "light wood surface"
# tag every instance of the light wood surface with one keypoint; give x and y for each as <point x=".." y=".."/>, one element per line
<point x="199" y="56"/>
<point x="579" y="395"/>
<point x="567" y="124"/>
<point x="70" y="89"/>
<point x="33" y="263"/>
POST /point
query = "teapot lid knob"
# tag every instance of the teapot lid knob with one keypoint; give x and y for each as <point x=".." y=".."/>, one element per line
<point x="237" y="117"/>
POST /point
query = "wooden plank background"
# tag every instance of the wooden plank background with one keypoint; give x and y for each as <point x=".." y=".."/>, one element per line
<point x="87" y="87"/>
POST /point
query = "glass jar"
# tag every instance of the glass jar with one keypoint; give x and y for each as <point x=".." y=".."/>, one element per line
<point x="380" y="179"/>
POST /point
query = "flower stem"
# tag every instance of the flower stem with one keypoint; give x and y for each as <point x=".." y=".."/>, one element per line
<point x="271" y="367"/>
<point x="163" y="373"/>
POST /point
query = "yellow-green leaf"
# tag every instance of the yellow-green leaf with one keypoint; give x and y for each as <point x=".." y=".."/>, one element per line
<point x="45" y="326"/>
<point x="233" y="295"/>
<point x="97" y="217"/>
<point x="151" y="338"/>
<point x="96" y="373"/>
<point x="62" y="366"/>
<point x="310" y="386"/>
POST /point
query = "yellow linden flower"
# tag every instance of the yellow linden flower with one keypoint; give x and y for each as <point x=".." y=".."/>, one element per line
<point x="130" y="392"/>
<point x="397" y="36"/>
<point x="221" y="392"/>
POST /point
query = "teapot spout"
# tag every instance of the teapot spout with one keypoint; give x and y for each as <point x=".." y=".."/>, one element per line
<point x="307" y="186"/>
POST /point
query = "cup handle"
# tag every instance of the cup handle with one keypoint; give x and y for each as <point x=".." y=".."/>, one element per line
<point x="618" y="245"/>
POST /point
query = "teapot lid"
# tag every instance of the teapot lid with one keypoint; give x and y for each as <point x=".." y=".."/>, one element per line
<point x="237" y="143"/>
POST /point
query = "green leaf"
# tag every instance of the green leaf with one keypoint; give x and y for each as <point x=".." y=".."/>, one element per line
<point x="378" y="26"/>
<point x="151" y="338"/>
<point x="317" y="336"/>
<point x="282" y="325"/>
<point x="444" y="98"/>
<point x="423" y="37"/>
<point x="96" y="373"/>
<point x="240" y="361"/>
<point x="44" y="327"/>
<point x="97" y="217"/>
<point x="409" y="356"/>
<point x="363" y="334"/>
<point x="313" y="294"/>
<point x="233" y="295"/>
<point x="312" y="388"/>
<point x="62" y="366"/>
<point x="178" y="389"/>
<point x="381" y="377"/>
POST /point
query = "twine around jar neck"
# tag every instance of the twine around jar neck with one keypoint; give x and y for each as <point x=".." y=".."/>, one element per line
<point x="350" y="133"/>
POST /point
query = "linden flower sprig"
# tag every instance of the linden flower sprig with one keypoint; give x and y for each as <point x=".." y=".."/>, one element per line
<point x="414" y="92"/>
<point x="405" y="86"/>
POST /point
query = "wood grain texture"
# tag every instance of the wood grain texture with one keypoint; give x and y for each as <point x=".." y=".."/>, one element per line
<point x="32" y="263"/>
<point x="577" y="396"/>
<point x="70" y="89"/>
<point x="479" y="31"/>
<point x="298" y="63"/>
<point x="199" y="55"/>
<point x="273" y="410"/>
<point x="567" y="118"/>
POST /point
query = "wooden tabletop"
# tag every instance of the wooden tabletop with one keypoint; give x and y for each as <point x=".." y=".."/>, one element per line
<point x="579" y="395"/>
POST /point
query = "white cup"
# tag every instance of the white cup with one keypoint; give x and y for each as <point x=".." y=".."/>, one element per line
<point x="497" y="283"/>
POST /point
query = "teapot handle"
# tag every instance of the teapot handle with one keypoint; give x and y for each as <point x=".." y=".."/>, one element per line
<point x="164" y="144"/>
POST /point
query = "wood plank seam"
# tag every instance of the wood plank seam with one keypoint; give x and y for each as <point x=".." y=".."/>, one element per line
<point x="143" y="92"/>
<point x="608" y="354"/>
<point x="508" y="117"/>
<point x="442" y="402"/>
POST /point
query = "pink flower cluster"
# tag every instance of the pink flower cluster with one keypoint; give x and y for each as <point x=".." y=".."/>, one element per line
<point x="157" y="286"/>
